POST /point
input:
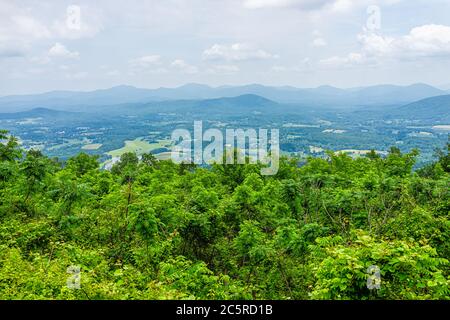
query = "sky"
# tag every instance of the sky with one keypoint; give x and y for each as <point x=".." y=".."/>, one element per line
<point x="51" y="45"/>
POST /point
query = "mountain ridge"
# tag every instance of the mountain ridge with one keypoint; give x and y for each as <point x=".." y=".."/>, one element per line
<point x="437" y="108"/>
<point x="37" y="112"/>
<point x="322" y="96"/>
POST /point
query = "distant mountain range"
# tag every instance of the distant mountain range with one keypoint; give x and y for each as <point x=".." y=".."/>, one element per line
<point x="436" y="109"/>
<point x="36" y="113"/>
<point x="240" y="105"/>
<point x="324" y="96"/>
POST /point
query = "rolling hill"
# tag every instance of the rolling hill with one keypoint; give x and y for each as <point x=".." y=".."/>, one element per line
<point x="38" y="113"/>
<point x="324" y="96"/>
<point x="389" y="94"/>
<point x="435" y="108"/>
<point x="240" y="105"/>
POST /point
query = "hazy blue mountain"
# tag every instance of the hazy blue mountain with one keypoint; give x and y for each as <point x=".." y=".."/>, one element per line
<point x="435" y="108"/>
<point x="37" y="113"/>
<point x="320" y="96"/>
<point x="328" y="90"/>
<point x="188" y="91"/>
<point x="328" y="96"/>
<point x="390" y="94"/>
<point x="68" y="100"/>
<point x="240" y="105"/>
<point x="445" y="87"/>
<point x="324" y="96"/>
<point x="243" y="101"/>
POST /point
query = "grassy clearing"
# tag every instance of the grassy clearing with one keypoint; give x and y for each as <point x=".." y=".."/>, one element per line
<point x="163" y="156"/>
<point x="139" y="146"/>
<point x="70" y="143"/>
<point x="360" y="152"/>
<point x="94" y="146"/>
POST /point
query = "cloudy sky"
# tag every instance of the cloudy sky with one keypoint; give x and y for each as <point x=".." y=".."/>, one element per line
<point x="83" y="45"/>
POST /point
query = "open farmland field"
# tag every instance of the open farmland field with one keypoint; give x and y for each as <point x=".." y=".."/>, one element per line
<point x="139" y="146"/>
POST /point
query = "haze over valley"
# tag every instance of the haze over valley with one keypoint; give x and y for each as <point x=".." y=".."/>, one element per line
<point x="312" y="121"/>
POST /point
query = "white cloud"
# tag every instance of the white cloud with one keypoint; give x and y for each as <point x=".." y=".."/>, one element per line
<point x="223" y="69"/>
<point x="278" y="69"/>
<point x="428" y="39"/>
<point x="158" y="71"/>
<point x="19" y="22"/>
<point x="350" y="60"/>
<point x="319" y="42"/>
<point x="146" y="61"/>
<point x="346" y="5"/>
<point x="376" y="45"/>
<point x="304" y="4"/>
<point x="113" y="73"/>
<point x="77" y="75"/>
<point x="236" y="52"/>
<point x="184" y="67"/>
<point x="18" y="29"/>
<point x="421" y="42"/>
<point x="12" y="49"/>
<point x="22" y="26"/>
<point x="29" y="27"/>
<point x="336" y="6"/>
<point x="44" y="59"/>
<point x="35" y="71"/>
<point x="305" y="65"/>
<point x="60" y="51"/>
<point x="316" y="33"/>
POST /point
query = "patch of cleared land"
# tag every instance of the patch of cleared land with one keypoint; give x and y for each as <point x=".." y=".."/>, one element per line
<point x="325" y="122"/>
<point x="313" y="149"/>
<point x="421" y="134"/>
<point x="163" y="156"/>
<point x="29" y="121"/>
<point x="299" y="125"/>
<point x="442" y="127"/>
<point x="39" y="147"/>
<point x="360" y="152"/>
<point x="140" y="146"/>
<point x="336" y="131"/>
<point x="70" y="143"/>
<point x="93" y="146"/>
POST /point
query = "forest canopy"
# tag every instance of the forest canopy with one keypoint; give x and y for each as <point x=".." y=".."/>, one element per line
<point x="151" y="229"/>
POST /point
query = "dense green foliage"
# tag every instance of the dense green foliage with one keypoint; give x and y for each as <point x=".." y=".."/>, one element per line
<point x="152" y="229"/>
